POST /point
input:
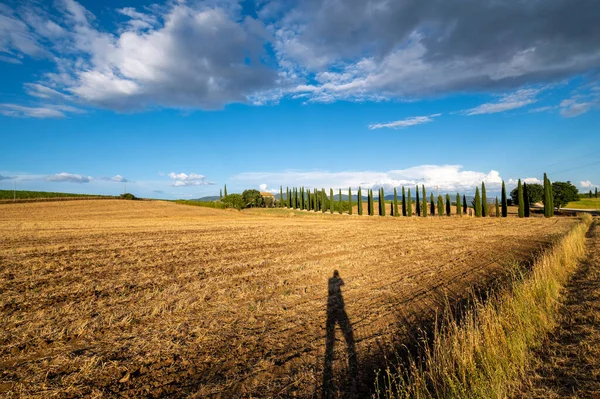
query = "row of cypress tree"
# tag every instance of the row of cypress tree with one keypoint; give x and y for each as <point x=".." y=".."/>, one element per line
<point x="300" y="198"/>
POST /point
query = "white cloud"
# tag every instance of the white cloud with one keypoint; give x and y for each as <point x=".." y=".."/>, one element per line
<point x="529" y="180"/>
<point x="263" y="187"/>
<point x="69" y="178"/>
<point x="415" y="120"/>
<point x="587" y="184"/>
<point x="518" y="99"/>
<point x="571" y="108"/>
<point x="31" y="112"/>
<point x="449" y="178"/>
<point x="192" y="179"/>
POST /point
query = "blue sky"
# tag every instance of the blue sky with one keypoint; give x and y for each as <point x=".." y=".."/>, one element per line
<point x="180" y="98"/>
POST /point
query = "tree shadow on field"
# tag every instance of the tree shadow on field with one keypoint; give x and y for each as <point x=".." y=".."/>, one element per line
<point x="337" y="314"/>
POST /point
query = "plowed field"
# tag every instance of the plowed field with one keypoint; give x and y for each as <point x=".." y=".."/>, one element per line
<point x="134" y="298"/>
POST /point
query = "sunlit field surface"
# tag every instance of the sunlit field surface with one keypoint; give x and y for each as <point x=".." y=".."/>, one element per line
<point x="138" y="298"/>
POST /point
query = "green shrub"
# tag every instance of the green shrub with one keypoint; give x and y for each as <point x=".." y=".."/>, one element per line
<point x="233" y="201"/>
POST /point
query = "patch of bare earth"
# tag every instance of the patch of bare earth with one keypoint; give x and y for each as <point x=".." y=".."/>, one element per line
<point x="568" y="366"/>
<point x="154" y="299"/>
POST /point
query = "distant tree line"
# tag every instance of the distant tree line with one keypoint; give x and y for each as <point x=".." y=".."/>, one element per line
<point x="551" y="194"/>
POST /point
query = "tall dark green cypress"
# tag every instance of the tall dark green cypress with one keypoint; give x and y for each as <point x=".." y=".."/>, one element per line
<point x="281" y="196"/>
<point x="287" y="197"/>
<point x="225" y="191"/>
<point x="424" y="206"/>
<point x="497" y="208"/>
<point x="520" y="199"/>
<point x="409" y="205"/>
<point x="382" y="201"/>
<point x="418" y="201"/>
<point x="504" y="201"/>
<point x="350" y="201"/>
<point x="379" y="203"/>
<point x="302" y="197"/>
<point x="440" y="205"/>
<point x="448" y="205"/>
<point x="526" y="200"/>
<point x="371" y="205"/>
<point x="465" y="205"/>
<point x="395" y="202"/>
<point x="359" y="199"/>
<point x="220" y="194"/>
<point x="458" y="207"/>
<point x="331" y="203"/>
<point x="484" y="203"/>
<point x="403" y="202"/>
<point x="369" y="202"/>
<point x="316" y="197"/>
<point x="477" y="203"/>
<point x="548" y="207"/>
<point x="432" y="206"/>
<point x="596" y="192"/>
<point x="341" y="209"/>
<point x="323" y="201"/>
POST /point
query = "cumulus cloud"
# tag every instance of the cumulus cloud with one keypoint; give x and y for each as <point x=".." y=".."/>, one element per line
<point x="410" y="48"/>
<point x="528" y="180"/>
<point x="68" y="178"/>
<point x="208" y="54"/>
<point x="587" y="184"/>
<point x="192" y="179"/>
<point x="415" y="120"/>
<point x="448" y="178"/>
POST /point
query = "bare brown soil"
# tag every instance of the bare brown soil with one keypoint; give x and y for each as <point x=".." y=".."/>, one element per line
<point x="568" y="366"/>
<point x="126" y="298"/>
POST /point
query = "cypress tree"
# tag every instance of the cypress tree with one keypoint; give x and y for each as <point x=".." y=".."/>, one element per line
<point x="409" y="205"/>
<point x="331" y="200"/>
<point x="302" y="197"/>
<point x="504" y="203"/>
<point x="350" y="201"/>
<point x="220" y="194"/>
<point x="458" y="208"/>
<point x="440" y="205"/>
<point x="340" y="198"/>
<point x="371" y="205"/>
<point x="382" y="201"/>
<point x="596" y="192"/>
<point x="547" y="197"/>
<point x="369" y="202"/>
<point x="432" y="206"/>
<point x="309" y="203"/>
<point x="448" y="205"/>
<point x="590" y="194"/>
<point x="391" y="208"/>
<point x="464" y="204"/>
<point x="225" y="191"/>
<point x="477" y="203"/>
<point x="497" y="208"/>
<point x="483" y="201"/>
<point x="424" y="207"/>
<point x="520" y="199"/>
<point x="418" y="201"/>
<point x="395" y="202"/>
<point x="281" y="196"/>
<point x="317" y="202"/>
<point x="403" y="202"/>
<point x="379" y="202"/>
<point x="359" y="199"/>
<point x="287" y="197"/>
<point x="323" y="201"/>
<point x="526" y="200"/>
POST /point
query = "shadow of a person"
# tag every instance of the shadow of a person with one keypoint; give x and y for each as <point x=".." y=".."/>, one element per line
<point x="337" y="314"/>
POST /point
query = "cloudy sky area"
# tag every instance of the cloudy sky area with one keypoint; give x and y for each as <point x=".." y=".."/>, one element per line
<point x="177" y="98"/>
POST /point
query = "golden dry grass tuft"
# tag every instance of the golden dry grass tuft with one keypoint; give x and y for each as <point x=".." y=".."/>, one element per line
<point x="134" y="298"/>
